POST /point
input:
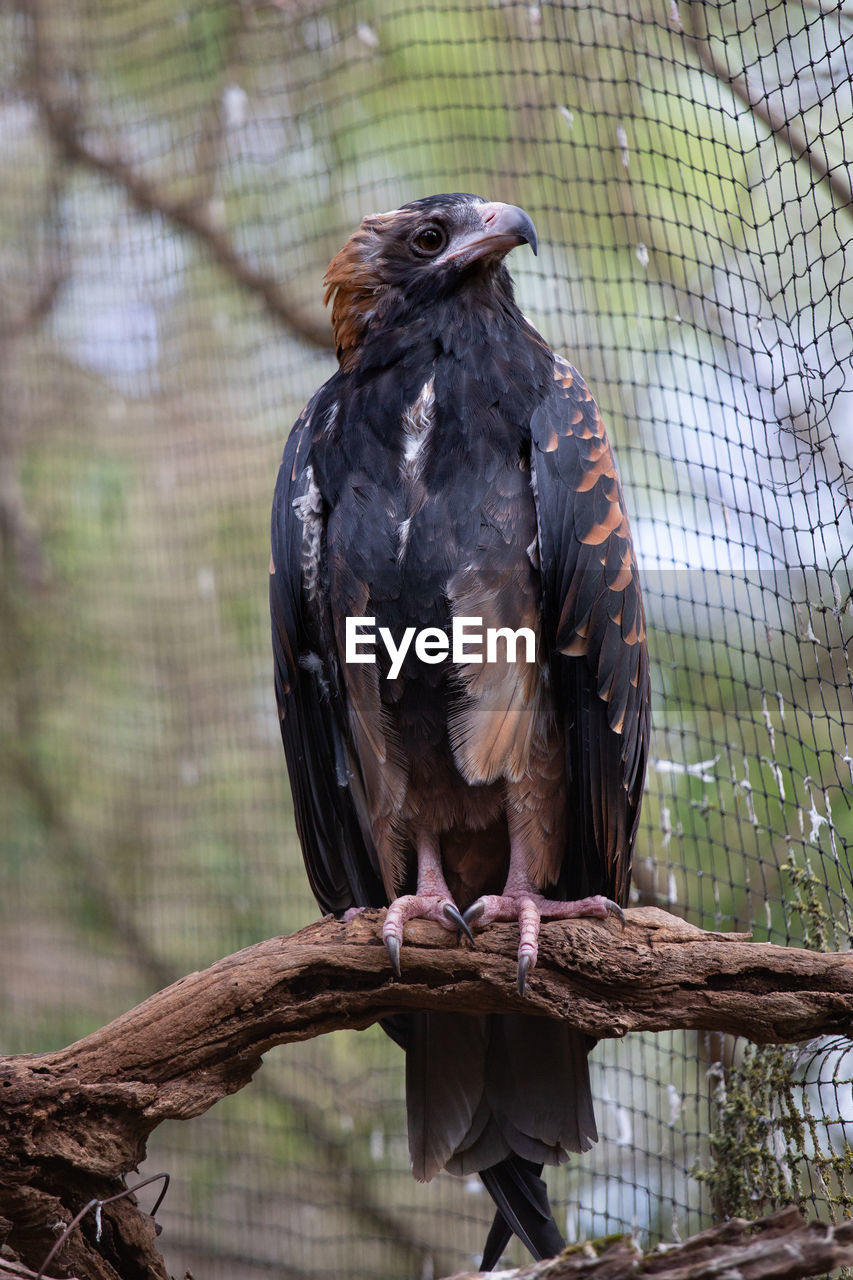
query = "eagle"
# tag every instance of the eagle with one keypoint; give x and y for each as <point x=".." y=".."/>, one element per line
<point x="453" y="480"/>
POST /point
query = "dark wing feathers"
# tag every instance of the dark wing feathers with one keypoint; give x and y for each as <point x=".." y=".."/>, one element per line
<point x="593" y="610"/>
<point x="338" y="853"/>
<point x="519" y="1192"/>
<point x="592" y="607"/>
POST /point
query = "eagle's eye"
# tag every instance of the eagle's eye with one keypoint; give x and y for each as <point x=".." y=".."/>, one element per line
<point x="429" y="240"/>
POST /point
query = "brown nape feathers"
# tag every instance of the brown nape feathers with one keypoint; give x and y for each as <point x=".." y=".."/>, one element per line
<point x="352" y="284"/>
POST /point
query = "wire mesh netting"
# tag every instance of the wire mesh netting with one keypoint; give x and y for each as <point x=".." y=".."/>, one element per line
<point x="173" y="181"/>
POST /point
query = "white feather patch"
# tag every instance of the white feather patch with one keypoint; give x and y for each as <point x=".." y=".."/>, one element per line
<point x="418" y="421"/>
<point x="417" y="425"/>
<point x="309" y="508"/>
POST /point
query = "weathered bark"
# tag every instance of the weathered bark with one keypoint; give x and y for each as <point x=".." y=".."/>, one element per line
<point x="778" y="1247"/>
<point x="75" y="1121"/>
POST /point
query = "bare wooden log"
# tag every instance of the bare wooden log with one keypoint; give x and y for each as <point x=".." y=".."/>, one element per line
<point x="779" y="1247"/>
<point x="73" y="1122"/>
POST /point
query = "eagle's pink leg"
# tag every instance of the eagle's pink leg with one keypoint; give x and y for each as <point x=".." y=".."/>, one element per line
<point x="432" y="901"/>
<point x="522" y="901"/>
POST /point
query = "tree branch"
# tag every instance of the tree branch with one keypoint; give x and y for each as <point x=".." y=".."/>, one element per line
<point x="188" y="1045"/>
<point x="192" y="216"/>
<point x="794" y="138"/>
<point x="75" y="1121"/>
<point x="62" y="118"/>
<point x="778" y="1247"/>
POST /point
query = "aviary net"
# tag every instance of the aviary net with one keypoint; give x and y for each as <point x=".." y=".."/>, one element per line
<point x="173" y="181"/>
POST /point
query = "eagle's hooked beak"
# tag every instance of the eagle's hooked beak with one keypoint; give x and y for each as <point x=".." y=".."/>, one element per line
<point x="503" y="227"/>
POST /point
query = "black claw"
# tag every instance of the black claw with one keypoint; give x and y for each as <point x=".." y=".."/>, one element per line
<point x="523" y="970"/>
<point x="614" y="909"/>
<point x="472" y="915"/>
<point x="392" y="945"/>
<point x="452" y="913"/>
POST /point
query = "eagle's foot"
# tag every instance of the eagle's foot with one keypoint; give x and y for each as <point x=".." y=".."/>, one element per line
<point x="352" y="913"/>
<point x="528" y="909"/>
<point x="419" y="906"/>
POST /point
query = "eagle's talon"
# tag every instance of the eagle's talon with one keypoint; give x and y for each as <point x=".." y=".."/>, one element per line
<point x="454" y="915"/>
<point x="525" y="964"/>
<point x="392" y="946"/>
<point x="431" y="902"/>
<point x="474" y="912"/>
<point x="613" y="909"/>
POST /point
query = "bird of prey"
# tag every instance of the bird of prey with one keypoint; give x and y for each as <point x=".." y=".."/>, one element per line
<point x="454" y="471"/>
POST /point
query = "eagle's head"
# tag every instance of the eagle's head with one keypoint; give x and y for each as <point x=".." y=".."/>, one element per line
<point x="423" y="251"/>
